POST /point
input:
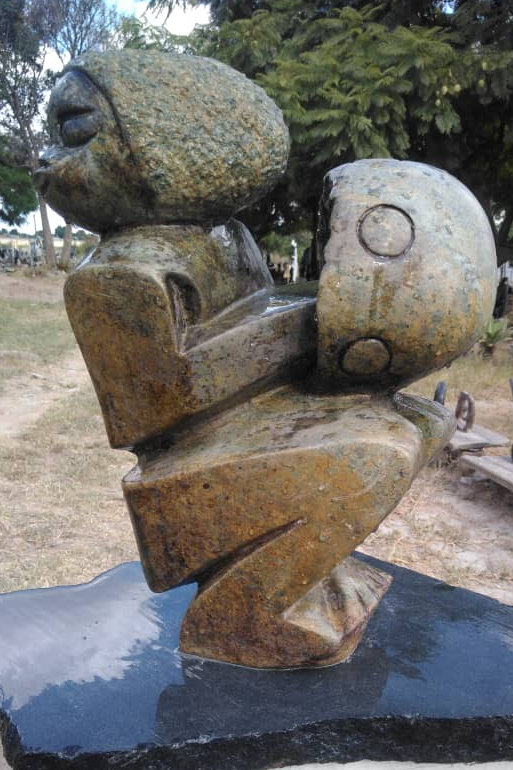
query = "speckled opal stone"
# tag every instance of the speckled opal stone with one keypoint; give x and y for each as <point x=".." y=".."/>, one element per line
<point x="166" y="138"/>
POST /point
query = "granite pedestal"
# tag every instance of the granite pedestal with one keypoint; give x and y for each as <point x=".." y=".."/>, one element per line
<point x="91" y="677"/>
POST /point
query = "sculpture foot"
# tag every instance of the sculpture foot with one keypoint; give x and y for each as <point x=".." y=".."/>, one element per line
<point x="321" y="628"/>
<point x="339" y="607"/>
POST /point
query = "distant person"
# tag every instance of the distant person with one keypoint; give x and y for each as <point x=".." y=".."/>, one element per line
<point x="501" y="300"/>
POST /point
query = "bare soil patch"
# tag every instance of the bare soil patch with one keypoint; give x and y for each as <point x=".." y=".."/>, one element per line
<point x="461" y="533"/>
<point x="24" y="285"/>
<point x="26" y="397"/>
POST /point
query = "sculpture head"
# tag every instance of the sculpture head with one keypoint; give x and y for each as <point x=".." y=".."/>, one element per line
<point x="409" y="273"/>
<point x="149" y="138"/>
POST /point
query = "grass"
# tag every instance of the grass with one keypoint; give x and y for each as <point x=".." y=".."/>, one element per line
<point x="31" y="333"/>
<point x="487" y="380"/>
<point x="62" y="515"/>
<point x="480" y="377"/>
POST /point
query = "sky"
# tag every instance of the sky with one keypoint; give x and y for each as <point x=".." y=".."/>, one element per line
<point x="179" y="22"/>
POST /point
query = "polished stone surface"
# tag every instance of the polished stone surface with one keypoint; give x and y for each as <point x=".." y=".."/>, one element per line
<point x="146" y="137"/>
<point x="257" y="472"/>
<point x="413" y="250"/>
<point x="263" y="503"/>
<point x="91" y="677"/>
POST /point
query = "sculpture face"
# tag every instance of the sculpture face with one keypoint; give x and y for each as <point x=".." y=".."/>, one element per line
<point x="147" y="138"/>
<point x="84" y="175"/>
<point x="75" y="111"/>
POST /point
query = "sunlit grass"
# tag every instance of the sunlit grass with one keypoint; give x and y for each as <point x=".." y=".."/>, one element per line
<point x="62" y="514"/>
<point x="483" y="378"/>
<point x="31" y="334"/>
<point x="487" y="380"/>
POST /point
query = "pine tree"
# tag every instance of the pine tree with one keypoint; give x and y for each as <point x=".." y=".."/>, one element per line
<point x="17" y="196"/>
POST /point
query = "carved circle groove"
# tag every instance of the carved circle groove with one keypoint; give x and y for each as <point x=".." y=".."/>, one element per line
<point x="386" y="231"/>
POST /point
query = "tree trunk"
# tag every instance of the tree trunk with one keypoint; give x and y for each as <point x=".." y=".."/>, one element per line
<point x="49" y="249"/>
<point x="33" y="157"/>
<point x="66" y="246"/>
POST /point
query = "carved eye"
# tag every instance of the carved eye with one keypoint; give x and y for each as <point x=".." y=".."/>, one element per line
<point x="78" y="127"/>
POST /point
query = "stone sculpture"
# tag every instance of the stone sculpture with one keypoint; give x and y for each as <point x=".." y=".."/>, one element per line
<point x="270" y="436"/>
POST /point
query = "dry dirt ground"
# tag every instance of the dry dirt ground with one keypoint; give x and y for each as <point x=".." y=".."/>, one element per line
<point x="62" y="515"/>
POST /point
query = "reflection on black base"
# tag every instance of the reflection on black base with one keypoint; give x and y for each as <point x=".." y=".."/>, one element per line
<point x="91" y="677"/>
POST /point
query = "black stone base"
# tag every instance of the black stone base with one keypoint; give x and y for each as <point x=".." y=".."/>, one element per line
<point x="90" y="677"/>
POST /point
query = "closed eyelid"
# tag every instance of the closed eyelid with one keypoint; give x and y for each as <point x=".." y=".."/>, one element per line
<point x="77" y="128"/>
<point x="67" y="112"/>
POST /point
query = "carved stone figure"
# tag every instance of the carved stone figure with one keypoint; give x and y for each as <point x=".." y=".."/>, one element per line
<point x="270" y="436"/>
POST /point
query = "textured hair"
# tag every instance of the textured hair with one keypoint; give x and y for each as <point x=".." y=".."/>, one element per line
<point x="205" y="140"/>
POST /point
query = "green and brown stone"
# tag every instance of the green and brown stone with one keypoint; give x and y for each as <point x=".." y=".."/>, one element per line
<point x="259" y="470"/>
<point x="408" y="276"/>
<point x="172" y="138"/>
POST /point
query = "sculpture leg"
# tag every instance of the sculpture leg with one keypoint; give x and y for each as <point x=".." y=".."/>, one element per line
<point x="260" y="507"/>
<point x="322" y="627"/>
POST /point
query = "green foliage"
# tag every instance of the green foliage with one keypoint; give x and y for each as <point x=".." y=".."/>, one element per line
<point x="17" y="196"/>
<point x="430" y="81"/>
<point x="135" y="33"/>
<point x="21" y="75"/>
<point x="276" y="245"/>
<point x="496" y="331"/>
<point x="18" y="33"/>
<point x="73" y="27"/>
<point x="349" y="87"/>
